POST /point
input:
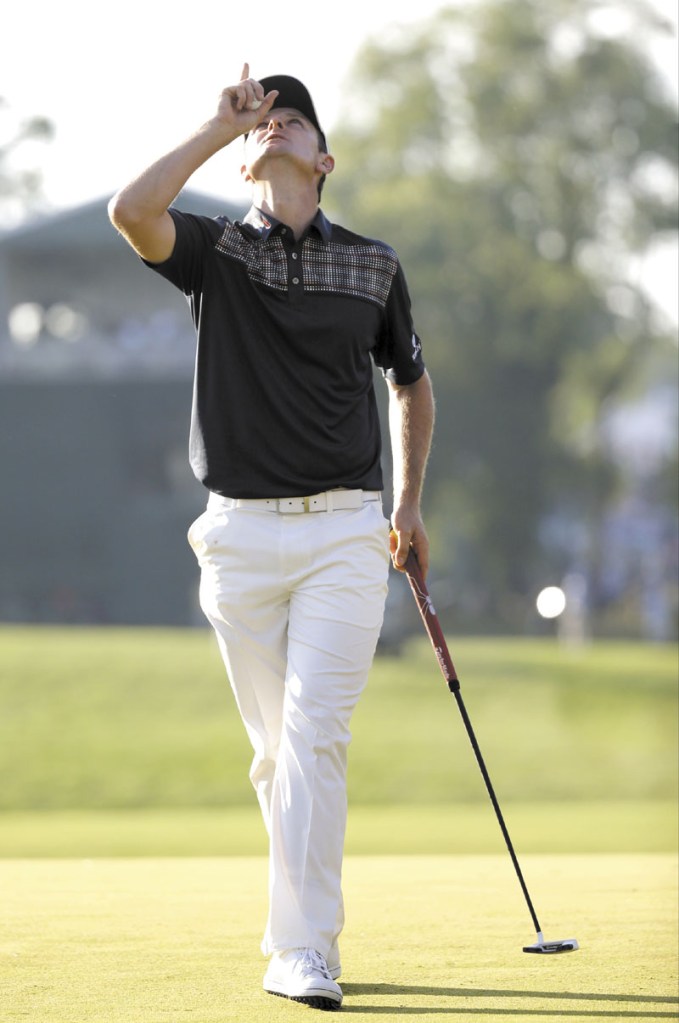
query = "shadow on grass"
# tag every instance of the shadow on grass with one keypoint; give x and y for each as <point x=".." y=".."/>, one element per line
<point x="405" y="990"/>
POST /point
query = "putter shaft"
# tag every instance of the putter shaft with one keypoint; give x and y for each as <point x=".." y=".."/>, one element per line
<point x="435" y="633"/>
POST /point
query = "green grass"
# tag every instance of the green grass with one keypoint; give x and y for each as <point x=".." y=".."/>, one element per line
<point x="577" y="827"/>
<point x="125" y="743"/>
<point x="135" y="718"/>
<point x="431" y="938"/>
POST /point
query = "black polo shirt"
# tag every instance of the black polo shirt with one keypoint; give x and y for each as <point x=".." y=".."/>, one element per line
<point x="283" y="401"/>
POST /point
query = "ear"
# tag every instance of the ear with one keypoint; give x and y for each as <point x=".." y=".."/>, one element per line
<point x="244" y="174"/>
<point x="326" y="163"/>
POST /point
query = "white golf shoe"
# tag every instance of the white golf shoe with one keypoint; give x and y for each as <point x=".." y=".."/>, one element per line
<point x="302" y="975"/>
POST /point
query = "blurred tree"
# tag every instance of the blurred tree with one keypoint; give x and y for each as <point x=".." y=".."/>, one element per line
<point x="19" y="182"/>
<point x="516" y="155"/>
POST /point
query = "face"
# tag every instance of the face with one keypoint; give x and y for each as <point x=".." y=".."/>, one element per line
<point x="284" y="133"/>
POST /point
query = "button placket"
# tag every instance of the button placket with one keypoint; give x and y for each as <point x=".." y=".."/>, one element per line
<point x="294" y="261"/>
<point x="294" y="270"/>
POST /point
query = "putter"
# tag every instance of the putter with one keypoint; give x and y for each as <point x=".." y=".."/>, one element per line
<point x="435" y="633"/>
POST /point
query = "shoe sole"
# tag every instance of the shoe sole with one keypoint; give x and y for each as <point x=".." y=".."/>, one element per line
<point x="313" y="1001"/>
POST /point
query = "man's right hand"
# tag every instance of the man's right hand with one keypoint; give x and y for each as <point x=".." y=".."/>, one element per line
<point x="242" y="106"/>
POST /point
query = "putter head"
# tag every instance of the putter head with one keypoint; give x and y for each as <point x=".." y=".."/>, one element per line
<point x="542" y="947"/>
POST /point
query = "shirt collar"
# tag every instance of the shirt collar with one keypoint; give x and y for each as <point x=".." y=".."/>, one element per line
<point x="261" y="225"/>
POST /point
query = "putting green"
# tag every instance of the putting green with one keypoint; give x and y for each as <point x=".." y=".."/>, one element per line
<point x="167" y="940"/>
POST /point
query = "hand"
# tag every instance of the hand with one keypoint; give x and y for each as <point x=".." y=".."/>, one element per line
<point x="243" y="106"/>
<point x="408" y="531"/>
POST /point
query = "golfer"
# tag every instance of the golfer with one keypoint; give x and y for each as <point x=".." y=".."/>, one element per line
<point x="290" y="312"/>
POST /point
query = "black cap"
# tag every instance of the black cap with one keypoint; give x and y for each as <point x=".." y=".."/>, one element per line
<point x="292" y="93"/>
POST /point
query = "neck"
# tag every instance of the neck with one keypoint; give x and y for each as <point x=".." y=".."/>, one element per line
<point x="294" y="207"/>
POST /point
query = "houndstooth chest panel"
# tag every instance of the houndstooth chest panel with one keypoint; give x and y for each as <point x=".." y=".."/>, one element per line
<point x="359" y="271"/>
<point x="364" y="271"/>
<point x="265" y="262"/>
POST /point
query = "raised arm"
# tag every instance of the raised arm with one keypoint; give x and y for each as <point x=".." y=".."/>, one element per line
<point x="411" y="424"/>
<point x="140" y="210"/>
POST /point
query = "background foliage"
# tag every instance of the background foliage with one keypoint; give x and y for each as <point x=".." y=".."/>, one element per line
<point x="20" y="179"/>
<point x="518" y="159"/>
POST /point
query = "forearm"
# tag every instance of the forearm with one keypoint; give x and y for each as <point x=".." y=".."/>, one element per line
<point x="148" y="196"/>
<point x="411" y="424"/>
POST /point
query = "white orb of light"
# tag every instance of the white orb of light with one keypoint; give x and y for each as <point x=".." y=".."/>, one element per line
<point x="551" y="602"/>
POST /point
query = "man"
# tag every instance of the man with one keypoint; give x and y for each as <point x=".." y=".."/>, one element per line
<point x="293" y="547"/>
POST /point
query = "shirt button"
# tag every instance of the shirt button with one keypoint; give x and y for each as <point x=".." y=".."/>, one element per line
<point x="294" y="255"/>
<point x="295" y="280"/>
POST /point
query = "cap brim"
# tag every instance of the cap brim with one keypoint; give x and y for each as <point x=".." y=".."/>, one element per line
<point x="292" y="93"/>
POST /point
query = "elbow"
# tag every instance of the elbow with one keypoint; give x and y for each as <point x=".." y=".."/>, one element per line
<point x="122" y="213"/>
<point x="117" y="211"/>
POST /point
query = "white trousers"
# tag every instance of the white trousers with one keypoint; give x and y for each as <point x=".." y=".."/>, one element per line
<point x="296" y="601"/>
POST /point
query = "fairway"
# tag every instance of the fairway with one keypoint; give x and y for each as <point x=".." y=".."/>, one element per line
<point x="164" y="941"/>
<point x="138" y="718"/>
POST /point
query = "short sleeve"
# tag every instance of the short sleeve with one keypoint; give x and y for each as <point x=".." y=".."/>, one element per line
<point x="398" y="351"/>
<point x="196" y="236"/>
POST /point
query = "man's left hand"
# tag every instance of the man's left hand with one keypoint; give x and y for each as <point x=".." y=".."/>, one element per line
<point x="407" y="530"/>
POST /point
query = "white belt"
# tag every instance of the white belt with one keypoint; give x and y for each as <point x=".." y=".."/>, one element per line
<point x="329" y="500"/>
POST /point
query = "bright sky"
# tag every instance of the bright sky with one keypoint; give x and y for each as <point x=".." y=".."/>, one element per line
<point x="126" y="81"/>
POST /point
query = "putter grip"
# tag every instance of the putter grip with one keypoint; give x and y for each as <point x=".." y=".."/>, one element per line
<point x="430" y="619"/>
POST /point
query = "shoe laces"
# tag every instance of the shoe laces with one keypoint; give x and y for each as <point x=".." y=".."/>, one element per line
<point x="312" y="961"/>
